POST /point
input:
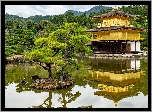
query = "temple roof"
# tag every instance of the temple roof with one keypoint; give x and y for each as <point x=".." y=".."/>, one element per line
<point x="114" y="12"/>
<point x="114" y="28"/>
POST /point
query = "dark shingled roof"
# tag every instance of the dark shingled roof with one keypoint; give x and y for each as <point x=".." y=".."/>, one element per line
<point x="115" y="12"/>
<point x="113" y="28"/>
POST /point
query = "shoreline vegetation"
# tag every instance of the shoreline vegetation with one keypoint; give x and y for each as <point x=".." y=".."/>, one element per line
<point x="142" y="54"/>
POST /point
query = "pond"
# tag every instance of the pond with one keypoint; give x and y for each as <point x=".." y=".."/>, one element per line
<point x="108" y="83"/>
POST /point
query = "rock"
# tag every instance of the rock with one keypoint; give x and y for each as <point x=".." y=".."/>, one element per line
<point x="35" y="77"/>
<point x="15" y="58"/>
<point x="48" y="83"/>
<point x="23" y="82"/>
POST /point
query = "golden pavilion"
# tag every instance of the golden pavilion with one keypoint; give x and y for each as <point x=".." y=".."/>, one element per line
<point x="115" y="34"/>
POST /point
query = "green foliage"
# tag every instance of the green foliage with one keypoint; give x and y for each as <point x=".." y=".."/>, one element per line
<point x="141" y="21"/>
<point x="74" y="36"/>
<point x="22" y="40"/>
<point x="44" y="51"/>
<point x="60" y="47"/>
<point x="14" y="18"/>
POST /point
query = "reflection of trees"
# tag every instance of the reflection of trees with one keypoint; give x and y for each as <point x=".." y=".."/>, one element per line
<point x="143" y="85"/>
<point x="78" y="80"/>
<point x="144" y="67"/>
<point x="66" y="93"/>
<point x="14" y="73"/>
<point x="47" y="103"/>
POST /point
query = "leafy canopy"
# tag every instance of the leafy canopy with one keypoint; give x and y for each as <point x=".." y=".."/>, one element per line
<point x="61" y="47"/>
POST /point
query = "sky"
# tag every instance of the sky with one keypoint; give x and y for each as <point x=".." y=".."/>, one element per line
<point x="32" y="10"/>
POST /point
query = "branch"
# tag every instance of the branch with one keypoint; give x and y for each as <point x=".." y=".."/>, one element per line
<point x="45" y="67"/>
<point x="56" y="53"/>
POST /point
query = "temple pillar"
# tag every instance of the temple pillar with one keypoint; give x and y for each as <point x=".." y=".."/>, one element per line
<point x="135" y="65"/>
<point x="120" y="46"/>
<point x="91" y="47"/>
<point x="135" y="45"/>
<point x="110" y="46"/>
<point x="126" y="46"/>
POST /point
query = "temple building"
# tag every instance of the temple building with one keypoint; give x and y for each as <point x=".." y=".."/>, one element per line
<point x="115" y="34"/>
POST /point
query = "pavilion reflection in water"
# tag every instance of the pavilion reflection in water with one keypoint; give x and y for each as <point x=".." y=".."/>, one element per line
<point x="116" y="77"/>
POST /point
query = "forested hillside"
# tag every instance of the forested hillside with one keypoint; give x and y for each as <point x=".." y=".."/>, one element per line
<point x="38" y="18"/>
<point x="94" y="9"/>
<point x="21" y="33"/>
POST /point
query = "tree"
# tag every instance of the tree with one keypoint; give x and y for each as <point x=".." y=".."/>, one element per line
<point x="46" y="52"/>
<point x="43" y="28"/>
<point x="9" y="26"/>
<point x="60" y="48"/>
<point x="20" y="40"/>
<point x="70" y="18"/>
<point x="29" y="24"/>
<point x="24" y="38"/>
<point x="58" y="19"/>
<point x="75" y="39"/>
<point x="18" y="24"/>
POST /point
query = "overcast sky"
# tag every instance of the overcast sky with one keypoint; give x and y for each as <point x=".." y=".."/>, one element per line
<point x="32" y="10"/>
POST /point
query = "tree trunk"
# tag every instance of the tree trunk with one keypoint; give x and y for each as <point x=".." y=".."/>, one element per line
<point x="63" y="71"/>
<point x="9" y="33"/>
<point x="49" y="69"/>
<point x="50" y="72"/>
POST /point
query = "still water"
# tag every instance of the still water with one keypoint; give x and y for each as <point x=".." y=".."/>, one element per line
<point x="108" y="83"/>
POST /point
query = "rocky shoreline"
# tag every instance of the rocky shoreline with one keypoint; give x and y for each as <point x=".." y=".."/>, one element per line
<point x="142" y="54"/>
<point x="15" y="58"/>
<point x="121" y="56"/>
<point x="51" y="83"/>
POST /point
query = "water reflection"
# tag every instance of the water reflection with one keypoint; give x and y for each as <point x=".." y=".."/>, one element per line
<point x="109" y="84"/>
<point x="117" y="78"/>
<point x="65" y="97"/>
